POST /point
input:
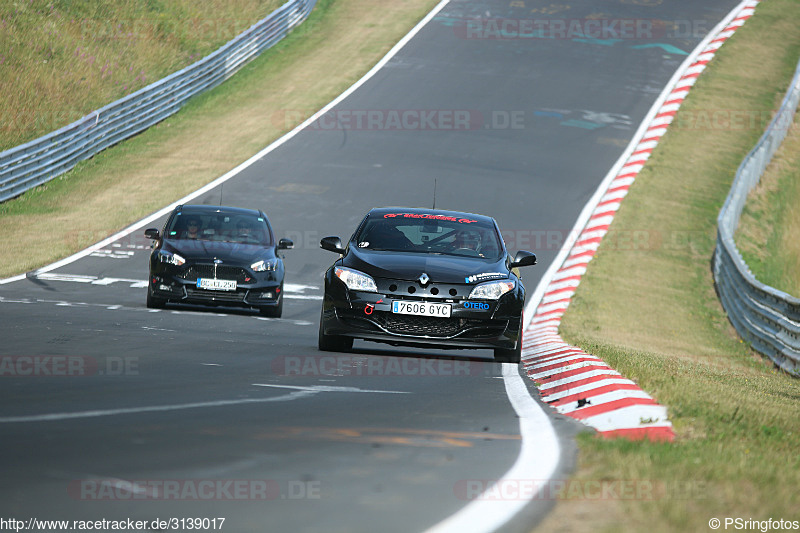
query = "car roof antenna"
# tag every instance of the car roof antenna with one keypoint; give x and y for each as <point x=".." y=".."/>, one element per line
<point x="434" y="193"/>
<point x="220" y="193"/>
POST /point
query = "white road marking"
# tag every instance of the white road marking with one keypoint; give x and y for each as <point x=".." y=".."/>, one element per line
<point x="325" y="388"/>
<point x="112" y="254"/>
<point x="62" y="303"/>
<point x="52" y="417"/>
<point x="298" y="392"/>
<point x="291" y="291"/>
<point x="538" y="457"/>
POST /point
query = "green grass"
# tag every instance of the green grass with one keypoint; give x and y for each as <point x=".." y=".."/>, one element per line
<point x="212" y="134"/>
<point x="770" y="224"/>
<point x="652" y="313"/>
<point x="62" y="59"/>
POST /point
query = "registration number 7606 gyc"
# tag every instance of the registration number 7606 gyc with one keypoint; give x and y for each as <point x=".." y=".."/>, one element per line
<point x="421" y="309"/>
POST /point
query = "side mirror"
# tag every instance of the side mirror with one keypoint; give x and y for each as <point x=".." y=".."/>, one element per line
<point x="285" y="244"/>
<point x="152" y="233"/>
<point x="523" y="259"/>
<point x="332" y="244"/>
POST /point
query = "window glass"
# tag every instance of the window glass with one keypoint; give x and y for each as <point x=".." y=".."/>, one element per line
<point x="416" y="233"/>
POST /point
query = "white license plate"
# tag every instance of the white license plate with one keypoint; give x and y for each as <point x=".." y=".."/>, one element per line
<point x="421" y="309"/>
<point x="216" y="284"/>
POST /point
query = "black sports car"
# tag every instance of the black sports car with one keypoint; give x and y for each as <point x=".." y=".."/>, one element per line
<point x="424" y="277"/>
<point x="213" y="255"/>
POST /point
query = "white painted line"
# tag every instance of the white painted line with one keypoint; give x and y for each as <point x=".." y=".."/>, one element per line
<point x="650" y="128"/>
<point x="289" y="288"/>
<point x="52" y="417"/>
<point x="540" y="451"/>
<point x="539" y="455"/>
<point x="326" y="388"/>
<point x="232" y="173"/>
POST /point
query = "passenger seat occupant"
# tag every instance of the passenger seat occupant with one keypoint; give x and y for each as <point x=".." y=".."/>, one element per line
<point x="386" y="237"/>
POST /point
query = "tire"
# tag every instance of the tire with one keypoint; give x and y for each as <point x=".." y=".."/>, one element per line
<point x="273" y="312"/>
<point x="333" y="343"/>
<point x="154" y="302"/>
<point x="514" y="355"/>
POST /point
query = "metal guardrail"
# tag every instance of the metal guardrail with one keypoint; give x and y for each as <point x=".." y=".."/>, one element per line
<point x="766" y="317"/>
<point x="36" y="162"/>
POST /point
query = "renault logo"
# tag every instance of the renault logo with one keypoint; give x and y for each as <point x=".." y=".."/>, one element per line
<point x="424" y="279"/>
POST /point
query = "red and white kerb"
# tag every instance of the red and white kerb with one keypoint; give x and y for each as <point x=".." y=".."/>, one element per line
<point x="572" y="381"/>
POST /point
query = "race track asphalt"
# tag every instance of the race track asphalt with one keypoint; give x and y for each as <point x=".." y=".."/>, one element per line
<point x="522" y="128"/>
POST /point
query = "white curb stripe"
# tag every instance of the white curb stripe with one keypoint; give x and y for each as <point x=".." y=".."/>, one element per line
<point x="547" y="305"/>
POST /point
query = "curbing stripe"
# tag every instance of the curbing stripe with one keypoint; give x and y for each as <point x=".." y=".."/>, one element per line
<point x="574" y="382"/>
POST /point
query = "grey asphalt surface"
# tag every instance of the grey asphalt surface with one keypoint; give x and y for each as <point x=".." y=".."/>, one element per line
<point x="190" y="395"/>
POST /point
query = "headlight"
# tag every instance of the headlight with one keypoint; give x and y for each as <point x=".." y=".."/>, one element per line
<point x="355" y="280"/>
<point x="491" y="291"/>
<point x="264" y="266"/>
<point x="172" y="259"/>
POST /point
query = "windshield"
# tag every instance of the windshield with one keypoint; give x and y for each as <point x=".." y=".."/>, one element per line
<point x="240" y="228"/>
<point x="430" y="234"/>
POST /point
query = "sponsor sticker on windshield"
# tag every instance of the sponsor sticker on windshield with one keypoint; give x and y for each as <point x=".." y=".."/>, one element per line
<point x="484" y="276"/>
<point x="428" y="216"/>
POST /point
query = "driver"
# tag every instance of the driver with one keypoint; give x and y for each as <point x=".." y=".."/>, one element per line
<point x="244" y="228"/>
<point x="467" y="240"/>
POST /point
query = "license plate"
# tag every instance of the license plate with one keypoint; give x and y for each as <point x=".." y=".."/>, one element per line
<point x="216" y="284"/>
<point x="421" y="309"/>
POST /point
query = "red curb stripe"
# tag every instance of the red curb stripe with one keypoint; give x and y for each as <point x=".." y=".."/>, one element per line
<point x="544" y="327"/>
<point x="655" y="434"/>
<point x="589" y="394"/>
<point x="586" y="412"/>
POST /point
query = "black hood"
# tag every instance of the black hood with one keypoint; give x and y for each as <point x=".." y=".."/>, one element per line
<point x="409" y="266"/>
<point x="228" y="252"/>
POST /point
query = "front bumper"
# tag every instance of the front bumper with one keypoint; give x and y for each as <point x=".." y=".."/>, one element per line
<point x="369" y="316"/>
<point x="260" y="292"/>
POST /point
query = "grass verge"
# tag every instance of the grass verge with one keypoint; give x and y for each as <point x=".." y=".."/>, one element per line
<point x="60" y="60"/>
<point x="651" y="312"/>
<point x="212" y="134"/>
<point x="770" y="225"/>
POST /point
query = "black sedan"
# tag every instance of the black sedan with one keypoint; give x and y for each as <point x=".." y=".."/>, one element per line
<point x="424" y="277"/>
<point x="214" y="255"/>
